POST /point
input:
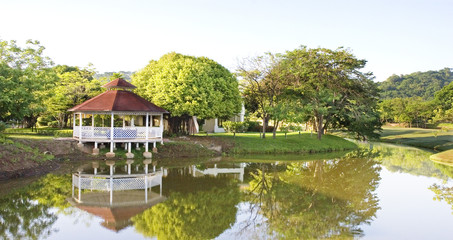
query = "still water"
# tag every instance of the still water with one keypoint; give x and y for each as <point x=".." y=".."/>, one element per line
<point x="378" y="192"/>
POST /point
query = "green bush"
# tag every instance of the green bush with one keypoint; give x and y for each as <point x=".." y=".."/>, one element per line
<point x="235" y="127"/>
<point x="253" y="126"/>
<point x="53" y="124"/>
<point x="2" y="126"/>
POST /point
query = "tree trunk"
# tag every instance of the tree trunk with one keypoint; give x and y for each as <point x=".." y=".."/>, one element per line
<point x="265" y="122"/>
<point x="274" y="131"/>
<point x="320" y="127"/>
<point x="30" y="121"/>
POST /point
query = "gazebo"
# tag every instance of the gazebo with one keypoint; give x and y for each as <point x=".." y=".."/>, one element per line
<point x="118" y="116"/>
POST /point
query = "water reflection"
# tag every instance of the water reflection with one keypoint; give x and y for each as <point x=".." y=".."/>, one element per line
<point x="116" y="198"/>
<point x="334" y="197"/>
<point x="316" y="199"/>
<point x="200" y="207"/>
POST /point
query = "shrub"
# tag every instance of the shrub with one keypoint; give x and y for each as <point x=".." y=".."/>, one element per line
<point x="2" y="126"/>
<point x="53" y="124"/>
<point x="235" y="127"/>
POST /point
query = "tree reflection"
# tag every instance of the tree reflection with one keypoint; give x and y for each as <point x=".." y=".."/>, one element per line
<point x="318" y="199"/>
<point x="21" y="217"/>
<point x="27" y="213"/>
<point x="442" y="191"/>
<point x="196" y="208"/>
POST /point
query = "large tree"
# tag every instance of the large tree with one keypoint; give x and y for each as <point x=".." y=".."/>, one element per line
<point x="74" y="86"/>
<point x="329" y="84"/>
<point x="189" y="86"/>
<point x="263" y="88"/>
<point x="25" y="77"/>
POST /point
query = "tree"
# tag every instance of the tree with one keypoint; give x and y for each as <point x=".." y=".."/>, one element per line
<point x="75" y="86"/>
<point x="263" y="87"/>
<point x="328" y="84"/>
<point x="189" y="86"/>
<point x="25" y="77"/>
<point x="235" y="127"/>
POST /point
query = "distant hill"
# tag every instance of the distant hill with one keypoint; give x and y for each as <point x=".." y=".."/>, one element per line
<point x="421" y="84"/>
<point x="127" y="75"/>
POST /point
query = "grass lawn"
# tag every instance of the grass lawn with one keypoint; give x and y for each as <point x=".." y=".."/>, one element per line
<point x="436" y="139"/>
<point x="445" y="157"/>
<point x="39" y="134"/>
<point x="245" y="143"/>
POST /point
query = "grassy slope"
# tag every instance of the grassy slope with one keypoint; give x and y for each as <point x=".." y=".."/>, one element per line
<point x="439" y="140"/>
<point x="445" y="157"/>
<point x="304" y="143"/>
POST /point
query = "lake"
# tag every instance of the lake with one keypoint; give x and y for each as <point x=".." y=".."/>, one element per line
<point x="381" y="191"/>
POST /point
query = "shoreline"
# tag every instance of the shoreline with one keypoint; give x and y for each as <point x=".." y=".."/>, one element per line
<point x="17" y="163"/>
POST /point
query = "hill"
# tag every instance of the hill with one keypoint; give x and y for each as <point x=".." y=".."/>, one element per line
<point x="418" y="84"/>
<point x="126" y="74"/>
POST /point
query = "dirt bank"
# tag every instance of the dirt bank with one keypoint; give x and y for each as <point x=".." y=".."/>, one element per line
<point x="25" y="157"/>
<point x="33" y="157"/>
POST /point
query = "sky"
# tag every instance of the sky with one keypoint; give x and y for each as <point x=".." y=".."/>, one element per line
<point x="395" y="37"/>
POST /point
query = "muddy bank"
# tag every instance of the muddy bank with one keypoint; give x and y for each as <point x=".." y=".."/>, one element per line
<point x="25" y="157"/>
<point x="32" y="157"/>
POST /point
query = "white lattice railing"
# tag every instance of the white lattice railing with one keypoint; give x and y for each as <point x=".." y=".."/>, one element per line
<point x="89" y="132"/>
<point x="119" y="182"/>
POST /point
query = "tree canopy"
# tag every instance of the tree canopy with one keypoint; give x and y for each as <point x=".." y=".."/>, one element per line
<point x="25" y="77"/>
<point x="189" y="86"/>
<point x="323" y="86"/>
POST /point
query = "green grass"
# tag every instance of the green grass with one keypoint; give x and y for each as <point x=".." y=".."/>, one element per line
<point x="40" y="133"/>
<point x="445" y="126"/>
<point x="445" y="157"/>
<point x="439" y="140"/>
<point x="14" y="148"/>
<point x="245" y="143"/>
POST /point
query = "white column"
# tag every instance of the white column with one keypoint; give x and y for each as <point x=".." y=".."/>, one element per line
<point x="147" y="125"/>
<point x="146" y="188"/>
<point x="161" y="128"/>
<point x="132" y="121"/>
<point x="73" y="123"/>
<point x="111" y="128"/>
<point x="124" y="122"/>
<point x="80" y="182"/>
<point x="111" y="190"/>
<point x="129" y="147"/>
<point x="146" y="146"/>
<point x="80" y="125"/>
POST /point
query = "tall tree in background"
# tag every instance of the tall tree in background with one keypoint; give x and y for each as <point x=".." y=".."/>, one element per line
<point x="189" y="86"/>
<point x="329" y="84"/>
<point x="74" y="86"/>
<point x="25" y="77"/>
<point x="263" y="88"/>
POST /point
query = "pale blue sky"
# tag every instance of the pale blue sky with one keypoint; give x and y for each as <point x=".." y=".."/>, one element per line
<point x="396" y="37"/>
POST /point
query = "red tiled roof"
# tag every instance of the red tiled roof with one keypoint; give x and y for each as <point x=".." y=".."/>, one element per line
<point x="119" y="82"/>
<point x="117" y="100"/>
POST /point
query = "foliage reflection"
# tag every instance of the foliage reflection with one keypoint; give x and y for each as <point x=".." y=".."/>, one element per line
<point x="196" y="208"/>
<point x="317" y="199"/>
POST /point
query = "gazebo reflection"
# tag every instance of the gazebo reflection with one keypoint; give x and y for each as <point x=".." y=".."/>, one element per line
<point x="116" y="198"/>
